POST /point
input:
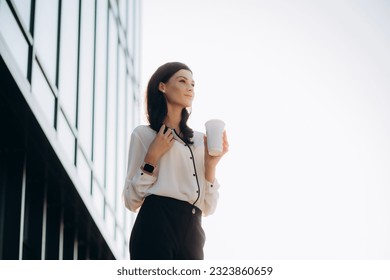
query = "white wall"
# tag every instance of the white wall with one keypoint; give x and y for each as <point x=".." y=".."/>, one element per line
<point x="304" y="87"/>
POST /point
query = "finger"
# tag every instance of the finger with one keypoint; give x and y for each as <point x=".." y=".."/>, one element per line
<point x="205" y="143"/>
<point x="226" y="145"/>
<point x="169" y="135"/>
<point x="225" y="142"/>
<point x="225" y="139"/>
<point x="167" y="130"/>
<point x="161" y="131"/>
<point x="226" y="148"/>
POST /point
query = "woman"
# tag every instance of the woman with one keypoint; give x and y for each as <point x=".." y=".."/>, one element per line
<point x="170" y="174"/>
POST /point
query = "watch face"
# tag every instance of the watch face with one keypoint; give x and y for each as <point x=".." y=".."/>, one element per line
<point x="148" y="168"/>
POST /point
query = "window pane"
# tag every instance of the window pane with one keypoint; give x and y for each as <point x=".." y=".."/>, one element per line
<point x="14" y="38"/>
<point x="66" y="137"/>
<point x="45" y="34"/>
<point x="110" y="222"/>
<point x="98" y="199"/>
<point x="120" y="241"/>
<point x="122" y="12"/>
<point x="68" y="58"/>
<point x="43" y="93"/>
<point x="136" y="41"/>
<point x="111" y="111"/>
<point x="130" y="111"/>
<point x="100" y="91"/>
<point x="24" y="9"/>
<point x="130" y="26"/>
<point x="130" y="219"/>
<point x="121" y="145"/>
<point x="122" y="37"/>
<point x="86" y="75"/>
<point x="84" y="171"/>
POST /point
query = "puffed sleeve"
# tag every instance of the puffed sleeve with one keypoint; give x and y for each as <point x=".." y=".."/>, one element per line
<point x="137" y="182"/>
<point x="211" y="197"/>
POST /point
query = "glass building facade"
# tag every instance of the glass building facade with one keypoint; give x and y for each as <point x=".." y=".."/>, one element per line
<point x="69" y="99"/>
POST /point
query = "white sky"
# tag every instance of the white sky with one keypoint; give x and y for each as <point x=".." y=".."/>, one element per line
<point x="304" y="88"/>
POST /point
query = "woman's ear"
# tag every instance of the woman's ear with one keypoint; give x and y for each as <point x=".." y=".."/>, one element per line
<point x="161" y="87"/>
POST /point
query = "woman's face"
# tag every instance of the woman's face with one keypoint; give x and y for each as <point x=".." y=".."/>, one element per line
<point x="179" y="90"/>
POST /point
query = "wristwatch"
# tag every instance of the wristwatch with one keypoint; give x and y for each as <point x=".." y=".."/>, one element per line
<point x="148" y="168"/>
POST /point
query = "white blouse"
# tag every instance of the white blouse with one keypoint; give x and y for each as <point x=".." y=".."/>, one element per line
<point x="175" y="175"/>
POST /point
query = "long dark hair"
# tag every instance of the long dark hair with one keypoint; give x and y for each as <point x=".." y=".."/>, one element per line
<point x="156" y="102"/>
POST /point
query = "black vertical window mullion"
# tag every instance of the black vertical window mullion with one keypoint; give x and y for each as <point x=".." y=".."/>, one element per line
<point x="116" y="117"/>
<point x="77" y="83"/>
<point x="93" y="98"/>
<point x="106" y="103"/>
<point x="94" y="87"/>
<point x="31" y="47"/>
<point x="56" y="108"/>
<point x="125" y="123"/>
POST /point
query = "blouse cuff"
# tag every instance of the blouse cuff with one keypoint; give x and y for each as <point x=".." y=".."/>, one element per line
<point x="143" y="180"/>
<point x="212" y="187"/>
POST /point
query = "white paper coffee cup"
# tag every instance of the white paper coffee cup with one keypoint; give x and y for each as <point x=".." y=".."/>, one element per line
<point x="214" y="133"/>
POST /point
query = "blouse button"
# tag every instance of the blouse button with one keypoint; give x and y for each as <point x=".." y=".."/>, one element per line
<point x="193" y="211"/>
<point x="211" y="186"/>
<point x="190" y="157"/>
<point x="193" y="174"/>
<point x="142" y="173"/>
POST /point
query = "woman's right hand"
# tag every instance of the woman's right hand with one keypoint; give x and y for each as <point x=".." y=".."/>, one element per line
<point x="160" y="145"/>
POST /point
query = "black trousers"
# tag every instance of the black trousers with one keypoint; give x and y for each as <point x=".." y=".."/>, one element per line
<point x="167" y="229"/>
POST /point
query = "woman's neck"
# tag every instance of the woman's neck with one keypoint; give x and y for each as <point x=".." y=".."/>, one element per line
<point x="173" y="118"/>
